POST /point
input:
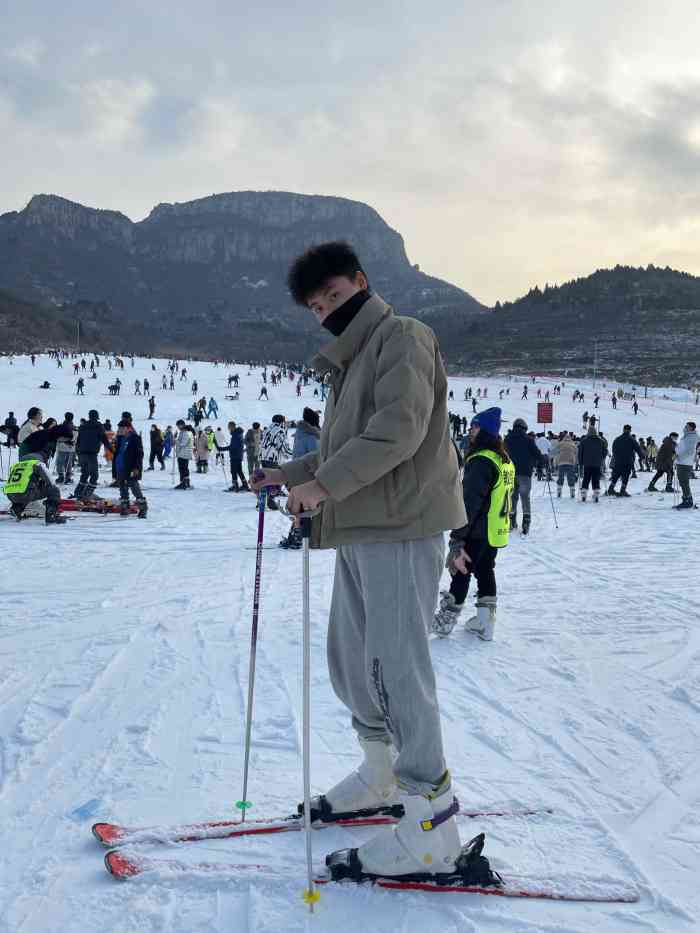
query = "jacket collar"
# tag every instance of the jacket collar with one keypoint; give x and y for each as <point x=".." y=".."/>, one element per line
<point x="339" y="352"/>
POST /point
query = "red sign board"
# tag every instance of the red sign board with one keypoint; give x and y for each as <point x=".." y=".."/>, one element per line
<point x="545" y="412"/>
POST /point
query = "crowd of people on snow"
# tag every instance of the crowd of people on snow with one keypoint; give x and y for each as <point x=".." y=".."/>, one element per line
<point x="567" y="457"/>
<point x="571" y="458"/>
<point x="74" y="447"/>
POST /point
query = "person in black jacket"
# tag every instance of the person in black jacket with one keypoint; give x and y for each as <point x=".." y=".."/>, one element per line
<point x="624" y="449"/>
<point x="91" y="436"/>
<point x="42" y="443"/>
<point x="480" y="476"/>
<point x="129" y="460"/>
<point x="11" y="430"/>
<point x="591" y="452"/>
<point x="525" y="455"/>
<point x="156" y="452"/>
<point x="665" y="456"/>
<point x="235" y="450"/>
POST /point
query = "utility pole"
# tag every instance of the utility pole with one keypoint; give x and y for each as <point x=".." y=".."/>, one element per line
<point x="77" y="324"/>
<point x="595" y="362"/>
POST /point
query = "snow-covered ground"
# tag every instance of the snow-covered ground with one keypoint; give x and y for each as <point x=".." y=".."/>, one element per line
<point x="123" y="677"/>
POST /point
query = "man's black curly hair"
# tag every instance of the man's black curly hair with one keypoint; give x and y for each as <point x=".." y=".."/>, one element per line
<point x="318" y="264"/>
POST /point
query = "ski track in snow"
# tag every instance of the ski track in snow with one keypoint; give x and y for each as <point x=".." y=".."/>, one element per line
<point x="124" y="674"/>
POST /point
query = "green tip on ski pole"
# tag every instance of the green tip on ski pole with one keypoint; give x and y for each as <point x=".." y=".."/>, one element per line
<point x="243" y="804"/>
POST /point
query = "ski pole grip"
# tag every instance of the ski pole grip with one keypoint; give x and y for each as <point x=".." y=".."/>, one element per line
<point x="305" y="525"/>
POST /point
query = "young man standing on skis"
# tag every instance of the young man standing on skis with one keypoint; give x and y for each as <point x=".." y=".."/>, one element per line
<point x="387" y="478"/>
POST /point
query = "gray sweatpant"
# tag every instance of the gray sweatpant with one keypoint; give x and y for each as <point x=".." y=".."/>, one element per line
<point x="523" y="485"/>
<point x="684" y="474"/>
<point x="384" y="597"/>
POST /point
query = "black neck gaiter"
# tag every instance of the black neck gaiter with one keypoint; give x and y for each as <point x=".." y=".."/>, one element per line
<point x="338" y="320"/>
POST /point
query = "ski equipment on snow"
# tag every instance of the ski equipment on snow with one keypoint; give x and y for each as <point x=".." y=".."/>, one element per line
<point x="243" y="804"/>
<point x="124" y="865"/>
<point x="310" y="895"/>
<point x="114" y="834"/>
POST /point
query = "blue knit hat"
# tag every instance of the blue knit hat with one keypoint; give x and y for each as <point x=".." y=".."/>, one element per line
<point x="489" y="420"/>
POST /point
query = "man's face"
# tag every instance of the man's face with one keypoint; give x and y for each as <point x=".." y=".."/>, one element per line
<point x="335" y="292"/>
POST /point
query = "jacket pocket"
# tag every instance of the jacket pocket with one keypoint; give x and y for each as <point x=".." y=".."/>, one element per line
<point x="365" y="508"/>
<point x="401" y="493"/>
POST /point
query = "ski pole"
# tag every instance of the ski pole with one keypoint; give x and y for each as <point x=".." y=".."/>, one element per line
<point x="554" y="511"/>
<point x="243" y="804"/>
<point x="310" y="894"/>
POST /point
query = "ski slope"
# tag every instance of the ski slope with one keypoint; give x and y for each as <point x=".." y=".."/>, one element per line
<point x="123" y="679"/>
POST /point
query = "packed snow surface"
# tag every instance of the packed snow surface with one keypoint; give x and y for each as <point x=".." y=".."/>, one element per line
<point x="123" y="680"/>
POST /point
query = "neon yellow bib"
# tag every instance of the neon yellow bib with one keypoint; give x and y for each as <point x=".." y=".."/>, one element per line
<point x="19" y="477"/>
<point x="498" y="517"/>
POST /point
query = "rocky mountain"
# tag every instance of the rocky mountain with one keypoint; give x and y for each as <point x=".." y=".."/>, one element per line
<point x="206" y="275"/>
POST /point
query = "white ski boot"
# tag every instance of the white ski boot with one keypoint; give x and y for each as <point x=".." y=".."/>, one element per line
<point x="572" y="490"/>
<point x="596" y="495"/>
<point x="447" y="615"/>
<point x="584" y="495"/>
<point x="559" y="489"/>
<point x="484" y="622"/>
<point x="425" y="839"/>
<point x="369" y="790"/>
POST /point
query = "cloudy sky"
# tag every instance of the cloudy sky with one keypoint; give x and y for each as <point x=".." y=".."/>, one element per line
<point x="510" y="143"/>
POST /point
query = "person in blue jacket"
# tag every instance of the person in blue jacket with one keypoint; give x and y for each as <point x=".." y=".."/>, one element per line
<point x="306" y="440"/>
<point x="307" y="434"/>
<point x="167" y="442"/>
<point x="129" y="461"/>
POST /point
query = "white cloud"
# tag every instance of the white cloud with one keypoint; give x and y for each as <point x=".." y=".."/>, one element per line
<point x="27" y="52"/>
<point x="112" y="108"/>
<point x="220" y="129"/>
<point x="509" y="141"/>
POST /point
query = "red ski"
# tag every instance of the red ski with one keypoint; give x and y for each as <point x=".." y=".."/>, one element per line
<point x="112" y="834"/>
<point x="123" y="865"/>
<point x="101" y="506"/>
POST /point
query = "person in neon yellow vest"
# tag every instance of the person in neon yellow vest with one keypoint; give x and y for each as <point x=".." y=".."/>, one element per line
<point x="29" y="481"/>
<point x="489" y="478"/>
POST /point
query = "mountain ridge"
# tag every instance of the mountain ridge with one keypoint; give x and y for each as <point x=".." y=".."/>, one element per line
<point x="208" y="277"/>
<point x="640" y="323"/>
<point x="211" y="272"/>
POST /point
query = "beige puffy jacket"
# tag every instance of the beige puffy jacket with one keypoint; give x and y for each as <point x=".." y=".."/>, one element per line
<point x="567" y="454"/>
<point x="385" y="454"/>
